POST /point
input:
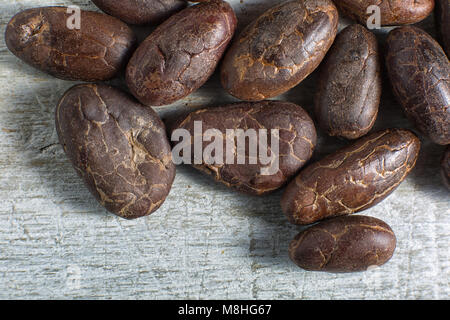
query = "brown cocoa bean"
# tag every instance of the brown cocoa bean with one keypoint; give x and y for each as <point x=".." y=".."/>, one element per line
<point x="344" y="244"/>
<point x="349" y="89"/>
<point x="392" y="12"/>
<point x="353" y="179"/>
<point x="97" y="51"/>
<point x="419" y="72"/>
<point x="118" y="147"/>
<point x="141" y="11"/>
<point x="181" y="54"/>
<point x="297" y="140"/>
<point x="279" y="49"/>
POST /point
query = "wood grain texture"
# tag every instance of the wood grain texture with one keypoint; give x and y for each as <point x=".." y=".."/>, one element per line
<point x="206" y="241"/>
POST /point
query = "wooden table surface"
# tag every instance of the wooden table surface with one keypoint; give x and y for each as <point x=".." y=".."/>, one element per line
<point x="206" y="241"/>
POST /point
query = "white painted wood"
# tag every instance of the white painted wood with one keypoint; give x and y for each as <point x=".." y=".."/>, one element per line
<point x="206" y="241"/>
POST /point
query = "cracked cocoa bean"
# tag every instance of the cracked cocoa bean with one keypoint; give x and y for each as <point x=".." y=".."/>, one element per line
<point x="140" y="12"/>
<point x="349" y="88"/>
<point x="97" y="51"/>
<point x="443" y="23"/>
<point x="393" y="12"/>
<point x="118" y="147"/>
<point x="445" y="167"/>
<point x="181" y="54"/>
<point x="297" y="140"/>
<point x="344" y="244"/>
<point x="279" y="49"/>
<point x="419" y="72"/>
<point x="353" y="179"/>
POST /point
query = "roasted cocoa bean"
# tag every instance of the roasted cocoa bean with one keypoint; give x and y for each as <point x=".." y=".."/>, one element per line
<point x="118" y="147"/>
<point x="419" y="72"/>
<point x="349" y="89"/>
<point x="141" y="11"/>
<point x="353" y="179"/>
<point x="392" y="12"/>
<point x="96" y="51"/>
<point x="279" y="49"/>
<point x="181" y="54"/>
<point x="297" y="140"/>
<point x="344" y="244"/>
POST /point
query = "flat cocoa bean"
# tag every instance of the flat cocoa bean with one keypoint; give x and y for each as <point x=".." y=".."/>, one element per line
<point x="297" y="140"/>
<point x="349" y="89"/>
<point x="279" y="49"/>
<point x="419" y="72"/>
<point x="118" y="147"/>
<point x="353" y="179"/>
<point x="181" y="54"/>
<point x="344" y="244"/>
<point x="48" y="39"/>
<point x="392" y="12"/>
<point x="141" y="11"/>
